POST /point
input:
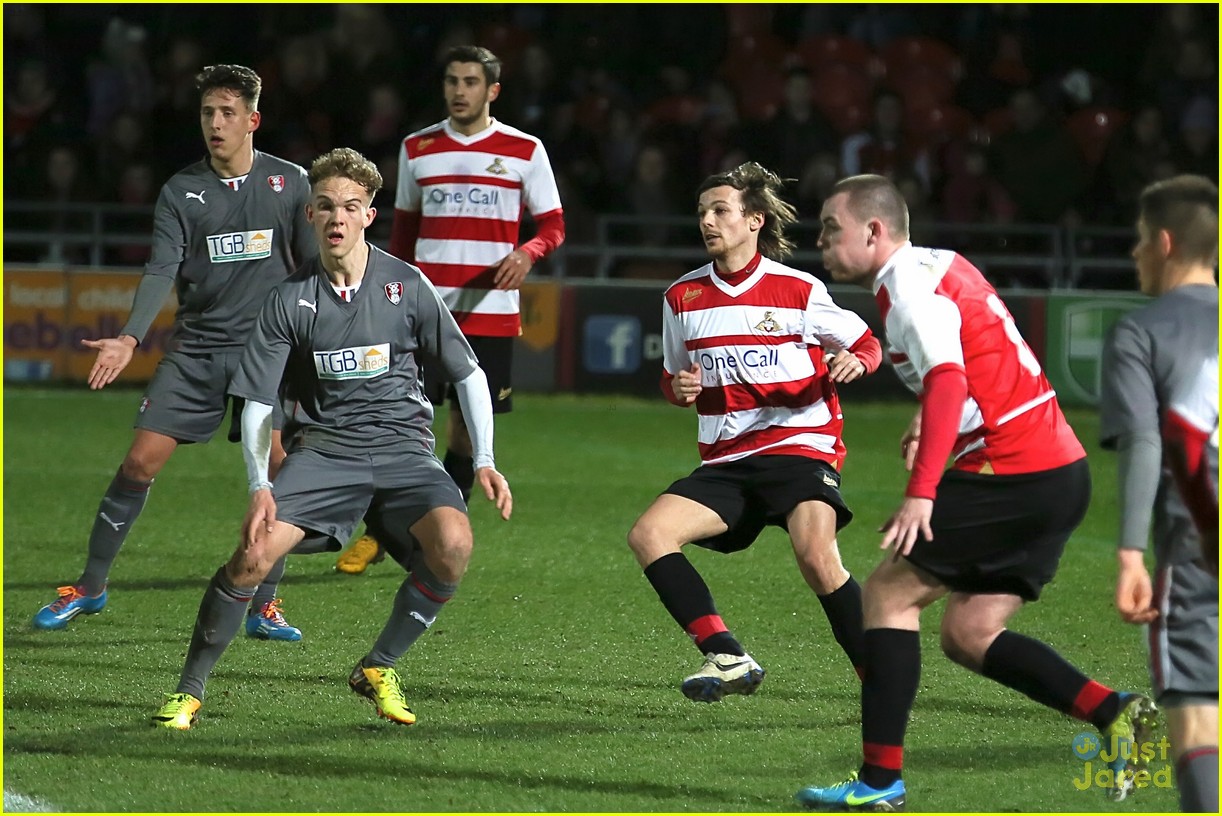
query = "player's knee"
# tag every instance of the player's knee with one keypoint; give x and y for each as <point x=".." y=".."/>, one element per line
<point x="964" y="643"/>
<point x="451" y="553"/>
<point x="646" y="538"/>
<point x="140" y="466"/>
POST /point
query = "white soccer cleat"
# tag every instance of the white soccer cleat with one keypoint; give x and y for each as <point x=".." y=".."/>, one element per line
<point x="723" y="674"/>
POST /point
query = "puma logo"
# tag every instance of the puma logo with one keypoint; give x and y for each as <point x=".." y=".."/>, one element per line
<point x="313" y="307"/>
<point x="199" y="195"/>
<point x="115" y="524"/>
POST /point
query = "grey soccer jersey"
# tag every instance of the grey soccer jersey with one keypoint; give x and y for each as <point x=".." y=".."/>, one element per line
<point x="1150" y="356"/>
<point x="225" y="249"/>
<point x="352" y="369"/>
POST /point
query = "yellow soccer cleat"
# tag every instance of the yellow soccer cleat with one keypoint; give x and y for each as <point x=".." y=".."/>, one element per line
<point x="180" y="712"/>
<point x="382" y="686"/>
<point x="365" y="551"/>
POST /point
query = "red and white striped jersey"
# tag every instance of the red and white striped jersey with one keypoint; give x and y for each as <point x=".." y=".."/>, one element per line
<point x="470" y="192"/>
<point x="939" y="310"/>
<point x="759" y="342"/>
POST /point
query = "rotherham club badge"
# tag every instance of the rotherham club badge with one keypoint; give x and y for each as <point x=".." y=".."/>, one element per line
<point x="276" y="182"/>
<point x="394" y="292"/>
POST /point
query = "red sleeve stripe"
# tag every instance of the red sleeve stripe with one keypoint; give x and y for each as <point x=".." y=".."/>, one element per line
<point x="487" y="181"/>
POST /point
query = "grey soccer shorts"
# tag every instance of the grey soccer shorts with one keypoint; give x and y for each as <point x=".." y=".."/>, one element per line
<point x="1184" y="636"/>
<point x="188" y="400"/>
<point x="328" y="493"/>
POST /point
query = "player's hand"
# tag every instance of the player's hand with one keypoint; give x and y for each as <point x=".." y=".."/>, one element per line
<point x="114" y="353"/>
<point x="1134" y="593"/>
<point x="910" y="520"/>
<point x="512" y="270"/>
<point x="686" y="385"/>
<point x="496" y="488"/>
<point x="260" y="517"/>
<point x="844" y="367"/>
<point x="910" y="441"/>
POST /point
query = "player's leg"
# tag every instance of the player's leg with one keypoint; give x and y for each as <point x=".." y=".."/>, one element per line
<point x="807" y="491"/>
<point x="685" y="513"/>
<point x="495" y="355"/>
<point x="893" y="598"/>
<point x="220" y="617"/>
<point x="265" y="617"/>
<point x="424" y="525"/>
<point x="1184" y="675"/>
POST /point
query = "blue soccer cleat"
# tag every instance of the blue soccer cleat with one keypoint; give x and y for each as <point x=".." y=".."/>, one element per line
<point x="70" y="603"/>
<point x="853" y="794"/>
<point x="269" y="623"/>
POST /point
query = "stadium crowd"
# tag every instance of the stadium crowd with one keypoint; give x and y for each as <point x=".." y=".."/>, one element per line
<point x="982" y="113"/>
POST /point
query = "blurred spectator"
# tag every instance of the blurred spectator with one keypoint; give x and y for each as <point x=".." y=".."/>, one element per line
<point x="995" y="40"/>
<point x="296" y="113"/>
<point x="137" y="187"/>
<point x="1196" y="148"/>
<point x="361" y="49"/>
<point x="884" y="148"/>
<point x="383" y="121"/>
<point x="821" y="171"/>
<point x="65" y="183"/>
<point x="125" y="142"/>
<point x="1193" y="75"/>
<point x="798" y="129"/>
<point x="120" y="79"/>
<point x="527" y="100"/>
<point x="1038" y="163"/>
<point x="175" y="125"/>
<point x="653" y="195"/>
<point x="971" y="195"/>
<point x="877" y="24"/>
<point x="33" y="117"/>
<point x="1138" y="155"/>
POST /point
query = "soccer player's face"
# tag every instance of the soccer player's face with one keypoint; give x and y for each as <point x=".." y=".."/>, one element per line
<point x="844" y="241"/>
<point x="467" y="93"/>
<point x="725" y="223"/>
<point x="340" y="212"/>
<point x="1147" y="255"/>
<point x="227" y="122"/>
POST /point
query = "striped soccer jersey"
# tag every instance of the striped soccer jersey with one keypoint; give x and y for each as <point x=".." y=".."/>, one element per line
<point x="471" y="192"/>
<point x="759" y="343"/>
<point x="939" y="310"/>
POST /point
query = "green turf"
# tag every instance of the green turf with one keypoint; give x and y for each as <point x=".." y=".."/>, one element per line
<point x="551" y="681"/>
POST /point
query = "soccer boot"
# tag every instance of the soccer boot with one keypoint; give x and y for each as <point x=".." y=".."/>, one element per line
<point x="382" y="686"/>
<point x="1122" y="740"/>
<point x="180" y="712"/>
<point x="70" y="603"/>
<point x="853" y="794"/>
<point x="723" y="674"/>
<point x="364" y="551"/>
<point x="269" y="623"/>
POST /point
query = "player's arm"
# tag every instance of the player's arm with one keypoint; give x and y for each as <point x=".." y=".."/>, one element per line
<point x="542" y="199"/>
<point x="681" y="379"/>
<point x="167" y="254"/>
<point x="854" y="351"/>
<point x="1128" y="421"/>
<point x="405" y="226"/>
<point x="256" y="451"/>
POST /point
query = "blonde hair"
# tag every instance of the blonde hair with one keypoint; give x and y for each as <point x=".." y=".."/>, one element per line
<point x="344" y="162"/>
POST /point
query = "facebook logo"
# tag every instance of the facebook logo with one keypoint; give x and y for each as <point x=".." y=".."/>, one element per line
<point x="612" y="344"/>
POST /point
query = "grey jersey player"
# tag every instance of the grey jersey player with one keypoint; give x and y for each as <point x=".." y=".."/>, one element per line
<point x="1152" y="355"/>
<point x="350" y="332"/>
<point x="226" y="230"/>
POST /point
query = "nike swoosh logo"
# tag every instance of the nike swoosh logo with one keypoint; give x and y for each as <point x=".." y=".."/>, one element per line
<point x="313" y="307"/>
<point x="853" y="800"/>
<point x="728" y="666"/>
<point x="115" y="524"/>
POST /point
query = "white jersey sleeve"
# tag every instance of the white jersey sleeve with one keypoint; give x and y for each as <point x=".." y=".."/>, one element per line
<point x="829" y="325"/>
<point x="675" y="356"/>
<point x="1197" y="402"/>
<point x="407" y="193"/>
<point x="926" y="331"/>
<point x="539" y="184"/>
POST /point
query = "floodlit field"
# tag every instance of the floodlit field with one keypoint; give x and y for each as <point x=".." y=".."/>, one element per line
<point x="550" y="683"/>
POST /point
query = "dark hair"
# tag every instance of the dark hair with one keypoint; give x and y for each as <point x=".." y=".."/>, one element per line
<point x="1187" y="207"/>
<point x="474" y="53"/>
<point x="237" y="78"/>
<point x="760" y="189"/>
<point x="871" y="196"/>
<point x="344" y="162"/>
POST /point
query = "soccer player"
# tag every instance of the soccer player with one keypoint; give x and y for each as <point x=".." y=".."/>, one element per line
<point x="358" y="436"/>
<point x="990" y="530"/>
<point x="1153" y="356"/>
<point x="463" y="185"/>
<point x="758" y="348"/>
<point x="1190" y="446"/>
<point x="226" y="230"/>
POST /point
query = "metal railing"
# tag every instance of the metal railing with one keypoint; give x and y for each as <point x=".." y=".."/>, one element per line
<point x="628" y="246"/>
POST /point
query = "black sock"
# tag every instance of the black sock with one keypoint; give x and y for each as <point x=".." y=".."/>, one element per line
<point x="1036" y="670"/>
<point x="843" y="610"/>
<point x="219" y="619"/>
<point x="688" y="600"/>
<point x="117" y="512"/>
<point x="893" y="672"/>
<point x="1196" y="775"/>
<point x="462" y="471"/>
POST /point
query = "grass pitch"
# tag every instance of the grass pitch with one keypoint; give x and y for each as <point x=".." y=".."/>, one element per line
<point x="550" y="683"/>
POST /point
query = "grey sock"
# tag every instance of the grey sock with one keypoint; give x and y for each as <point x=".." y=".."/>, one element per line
<point x="219" y="619"/>
<point x="117" y="512"/>
<point x="267" y="590"/>
<point x="1196" y="775"/>
<point x="417" y="603"/>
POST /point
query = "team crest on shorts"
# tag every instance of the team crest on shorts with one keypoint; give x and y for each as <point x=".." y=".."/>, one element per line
<point x="276" y="182"/>
<point x="144" y="405"/>
<point x="394" y="292"/>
